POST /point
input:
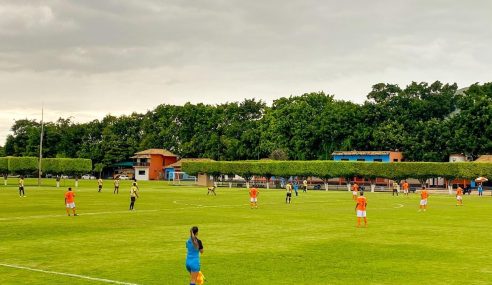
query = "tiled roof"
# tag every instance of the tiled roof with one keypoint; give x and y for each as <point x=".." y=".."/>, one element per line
<point x="484" y="158"/>
<point x="355" y="152"/>
<point x="159" y="151"/>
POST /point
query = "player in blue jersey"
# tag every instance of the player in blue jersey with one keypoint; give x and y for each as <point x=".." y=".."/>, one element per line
<point x="194" y="248"/>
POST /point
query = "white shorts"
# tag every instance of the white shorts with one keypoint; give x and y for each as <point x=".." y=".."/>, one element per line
<point x="459" y="198"/>
<point x="71" y="205"/>
<point x="253" y="200"/>
<point x="354" y="193"/>
<point x="423" y="202"/>
<point x="361" y="214"/>
<point x="405" y="191"/>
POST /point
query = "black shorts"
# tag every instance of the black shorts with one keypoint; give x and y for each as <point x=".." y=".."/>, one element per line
<point x="132" y="199"/>
<point x="21" y="188"/>
<point x="289" y="194"/>
<point x="100" y="187"/>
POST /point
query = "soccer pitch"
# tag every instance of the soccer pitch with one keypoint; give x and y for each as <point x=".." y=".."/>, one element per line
<point x="311" y="241"/>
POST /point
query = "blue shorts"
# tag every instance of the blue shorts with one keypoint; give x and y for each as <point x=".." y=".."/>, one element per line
<point x="193" y="265"/>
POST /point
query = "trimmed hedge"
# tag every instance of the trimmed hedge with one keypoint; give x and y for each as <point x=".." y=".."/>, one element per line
<point x="4" y="165"/>
<point x="22" y="165"/>
<point x="66" y="165"/>
<point x="26" y="165"/>
<point x="330" y="169"/>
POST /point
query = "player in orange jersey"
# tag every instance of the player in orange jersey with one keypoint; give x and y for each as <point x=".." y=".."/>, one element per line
<point x="459" y="196"/>
<point x="253" y="197"/>
<point x="70" y="201"/>
<point x="360" y="208"/>
<point x="405" y="187"/>
<point x="355" y="189"/>
<point x="423" y="199"/>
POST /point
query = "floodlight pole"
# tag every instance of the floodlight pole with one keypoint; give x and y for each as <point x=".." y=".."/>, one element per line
<point x="41" y="146"/>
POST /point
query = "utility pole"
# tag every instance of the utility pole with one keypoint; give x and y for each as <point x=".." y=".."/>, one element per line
<point x="41" y="146"/>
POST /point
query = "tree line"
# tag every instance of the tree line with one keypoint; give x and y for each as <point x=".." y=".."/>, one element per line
<point x="427" y="121"/>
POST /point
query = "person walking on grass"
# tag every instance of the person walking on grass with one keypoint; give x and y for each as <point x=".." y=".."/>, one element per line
<point x="194" y="248"/>
<point x="405" y="187"/>
<point x="133" y="195"/>
<point x="480" y="189"/>
<point x="304" y="185"/>
<point x="288" y="196"/>
<point x="21" y="187"/>
<point x="296" y="188"/>
<point x="116" y="186"/>
<point x="70" y="201"/>
<point x="360" y="209"/>
<point x="423" y="199"/>
<point x="395" y="188"/>
<point x="355" y="190"/>
<point x="253" y="197"/>
<point x="99" y="185"/>
<point x="459" y="196"/>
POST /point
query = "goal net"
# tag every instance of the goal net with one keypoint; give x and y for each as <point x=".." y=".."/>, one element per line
<point x="182" y="178"/>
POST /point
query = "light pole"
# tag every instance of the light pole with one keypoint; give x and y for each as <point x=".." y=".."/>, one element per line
<point x="41" y="146"/>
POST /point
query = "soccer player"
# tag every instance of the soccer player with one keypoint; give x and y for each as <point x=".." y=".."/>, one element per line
<point x="116" y="186"/>
<point x="70" y="201"/>
<point x="253" y="197"/>
<point x="296" y="188"/>
<point x="194" y="248"/>
<point x="211" y="190"/>
<point x="395" y="188"/>
<point x="133" y="195"/>
<point x="21" y="187"/>
<point x="355" y="189"/>
<point x="100" y="184"/>
<point x="480" y="189"/>
<point x="135" y="183"/>
<point x="423" y="199"/>
<point x="459" y="196"/>
<point x="360" y="208"/>
<point x="304" y="185"/>
<point x="288" y="197"/>
<point x="405" y="186"/>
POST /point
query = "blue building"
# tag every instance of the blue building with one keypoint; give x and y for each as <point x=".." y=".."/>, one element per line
<point x="369" y="156"/>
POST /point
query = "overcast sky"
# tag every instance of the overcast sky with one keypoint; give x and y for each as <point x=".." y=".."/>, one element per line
<point x="88" y="58"/>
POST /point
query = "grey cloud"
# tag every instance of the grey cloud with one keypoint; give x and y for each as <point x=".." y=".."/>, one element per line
<point x="114" y="51"/>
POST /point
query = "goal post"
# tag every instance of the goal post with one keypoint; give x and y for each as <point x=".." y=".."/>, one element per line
<point x="179" y="178"/>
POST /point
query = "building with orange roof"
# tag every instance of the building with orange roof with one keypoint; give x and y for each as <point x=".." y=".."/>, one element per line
<point x="150" y="164"/>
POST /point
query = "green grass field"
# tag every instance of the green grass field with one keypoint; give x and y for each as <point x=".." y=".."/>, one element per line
<point x="311" y="241"/>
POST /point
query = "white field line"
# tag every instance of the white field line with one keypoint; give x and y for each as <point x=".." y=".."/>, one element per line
<point x="56" y="216"/>
<point x="176" y="202"/>
<point x="399" y="206"/>
<point x="67" y="274"/>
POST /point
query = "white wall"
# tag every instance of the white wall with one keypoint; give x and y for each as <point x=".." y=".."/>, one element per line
<point x="139" y="176"/>
<point x="457" y="158"/>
